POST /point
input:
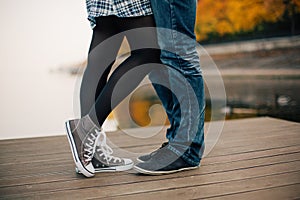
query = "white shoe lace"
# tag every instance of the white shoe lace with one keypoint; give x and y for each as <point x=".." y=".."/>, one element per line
<point x="90" y="145"/>
<point x="105" y="150"/>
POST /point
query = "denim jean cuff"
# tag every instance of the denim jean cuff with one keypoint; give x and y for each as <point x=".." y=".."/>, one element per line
<point x="183" y="156"/>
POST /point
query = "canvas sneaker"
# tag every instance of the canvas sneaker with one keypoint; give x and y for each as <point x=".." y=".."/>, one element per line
<point x="164" y="161"/>
<point x="147" y="157"/>
<point x="83" y="136"/>
<point x="104" y="161"/>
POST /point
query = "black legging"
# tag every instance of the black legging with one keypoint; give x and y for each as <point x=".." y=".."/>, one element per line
<point x="97" y="90"/>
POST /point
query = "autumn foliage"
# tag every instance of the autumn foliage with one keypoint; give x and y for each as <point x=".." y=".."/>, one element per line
<point x="232" y="16"/>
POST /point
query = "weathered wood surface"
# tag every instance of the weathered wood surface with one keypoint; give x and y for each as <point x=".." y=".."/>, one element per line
<point x="256" y="158"/>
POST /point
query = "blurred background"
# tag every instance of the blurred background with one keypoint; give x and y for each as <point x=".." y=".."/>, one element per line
<point x="44" y="44"/>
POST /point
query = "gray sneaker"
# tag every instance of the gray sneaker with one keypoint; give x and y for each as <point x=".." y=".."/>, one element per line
<point x="83" y="136"/>
<point x="112" y="164"/>
<point x="164" y="161"/>
<point x="146" y="157"/>
<point x="103" y="160"/>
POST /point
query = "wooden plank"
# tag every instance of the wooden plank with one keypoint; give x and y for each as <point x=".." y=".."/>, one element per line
<point x="36" y="150"/>
<point x="183" y="188"/>
<point x="66" y="160"/>
<point x="251" y="155"/>
<point x="231" y="148"/>
<point x="231" y="129"/>
<point x="54" y="174"/>
<point x="238" y="156"/>
<point x="257" y="146"/>
<point x="235" y="171"/>
<point x="62" y="160"/>
<point x="218" y="189"/>
<point x="44" y="149"/>
<point x="34" y="167"/>
<point x="275" y="193"/>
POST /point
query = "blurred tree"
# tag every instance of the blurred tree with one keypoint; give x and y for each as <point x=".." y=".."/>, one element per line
<point x="291" y="8"/>
<point x="220" y="17"/>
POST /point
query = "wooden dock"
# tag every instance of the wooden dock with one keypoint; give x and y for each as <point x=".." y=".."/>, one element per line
<point x="256" y="158"/>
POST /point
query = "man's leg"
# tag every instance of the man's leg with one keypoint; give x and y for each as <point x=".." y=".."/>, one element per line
<point x="161" y="84"/>
<point x="178" y="45"/>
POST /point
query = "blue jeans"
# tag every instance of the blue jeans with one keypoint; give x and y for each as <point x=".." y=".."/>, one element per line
<point x="182" y="88"/>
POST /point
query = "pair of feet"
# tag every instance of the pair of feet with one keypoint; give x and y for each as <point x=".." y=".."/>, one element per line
<point x="91" y="153"/>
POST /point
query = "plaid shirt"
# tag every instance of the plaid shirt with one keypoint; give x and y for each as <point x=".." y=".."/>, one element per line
<point x="120" y="8"/>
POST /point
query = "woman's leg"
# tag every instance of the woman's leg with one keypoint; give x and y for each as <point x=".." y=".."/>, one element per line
<point x="121" y="83"/>
<point x="100" y="60"/>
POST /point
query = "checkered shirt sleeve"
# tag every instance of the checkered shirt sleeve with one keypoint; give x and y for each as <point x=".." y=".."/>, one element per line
<point x="119" y="8"/>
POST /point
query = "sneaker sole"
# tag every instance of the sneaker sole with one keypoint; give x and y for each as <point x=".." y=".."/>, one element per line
<point x="110" y="169"/>
<point x="143" y="171"/>
<point x="78" y="164"/>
